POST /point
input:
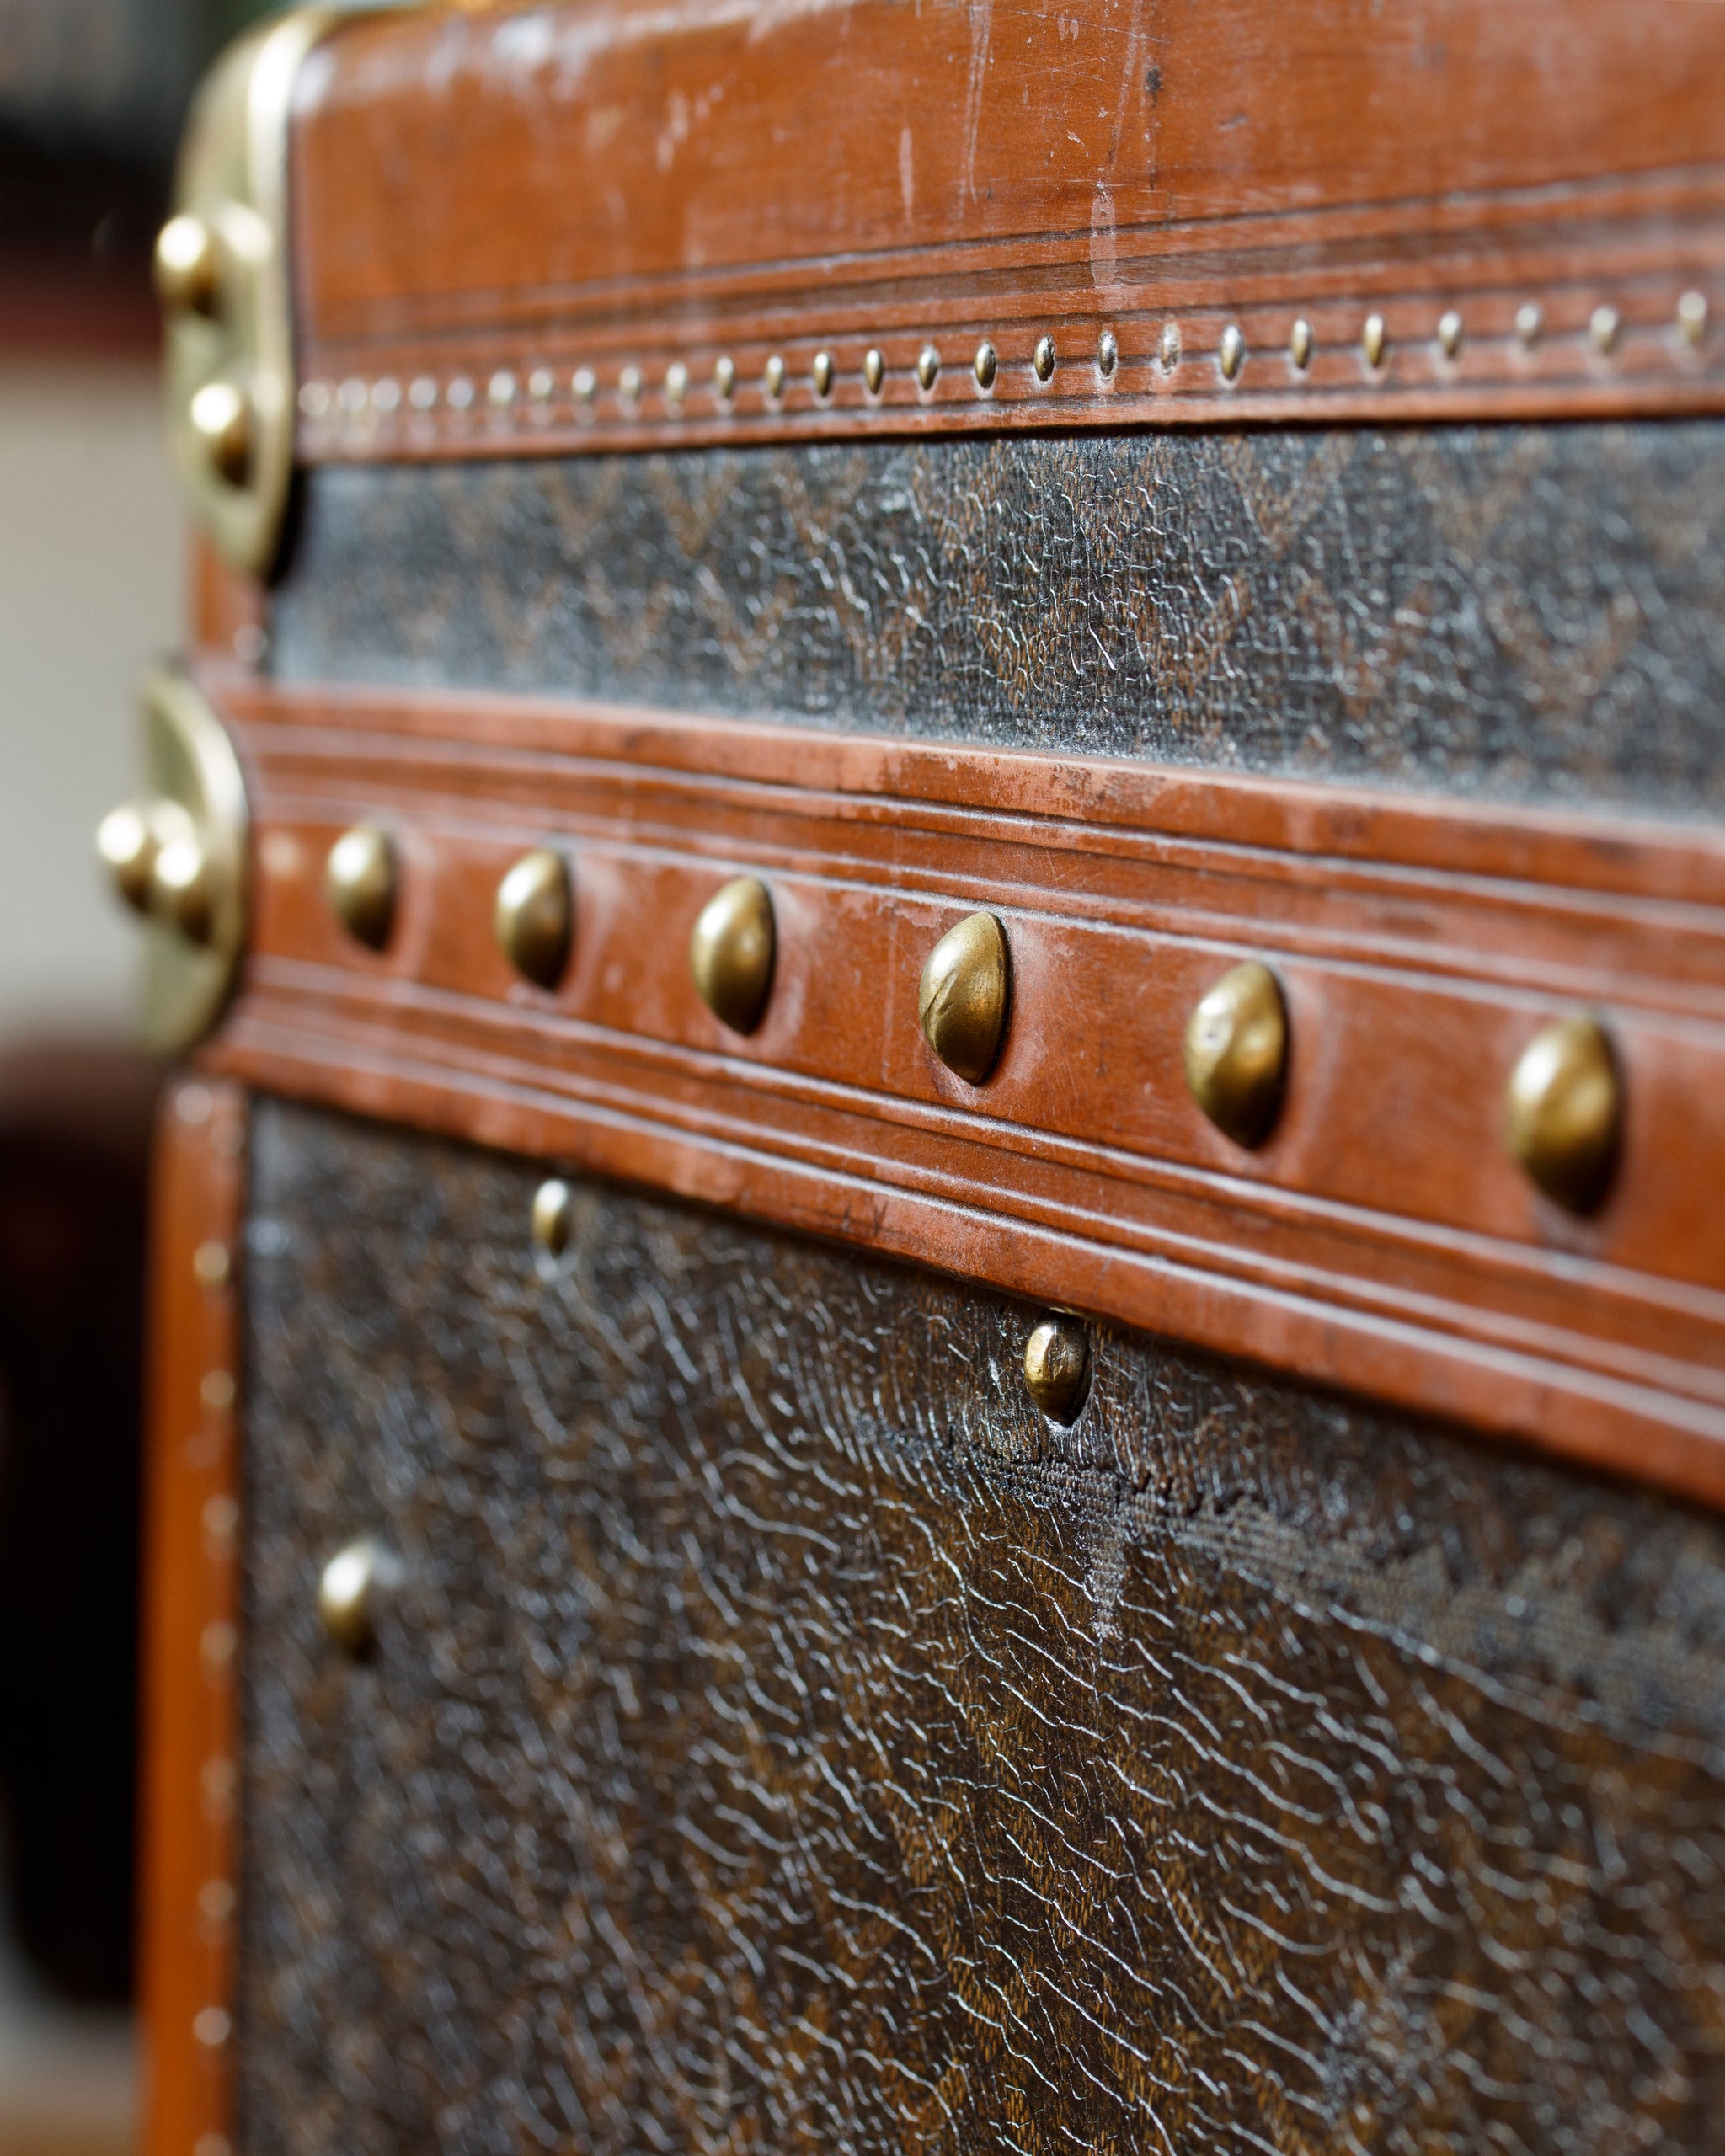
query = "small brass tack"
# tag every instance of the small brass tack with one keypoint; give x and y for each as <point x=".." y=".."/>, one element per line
<point x="985" y="364"/>
<point x="179" y="874"/>
<point x="222" y="419"/>
<point x="772" y="378"/>
<point x="1530" y="322"/>
<point x="1451" y="334"/>
<point x="961" y="999"/>
<point x="1692" y="317"/>
<point x="628" y="385"/>
<point x="360" y="883"/>
<point x="874" y="370"/>
<point x="1043" y="359"/>
<point x="534" y="915"/>
<point x="1237" y="1053"/>
<point x="1300" y="344"/>
<point x="1374" y="340"/>
<point x="351" y="1590"/>
<point x="1108" y="354"/>
<point x="1167" y="349"/>
<point x="1230" y="353"/>
<point x="188" y="276"/>
<point x="724" y="379"/>
<point x="927" y="367"/>
<point x="677" y="382"/>
<point x="821" y="374"/>
<point x="1565" y="1111"/>
<point x="582" y="384"/>
<point x="731" y="952"/>
<point x="1603" y="325"/>
<point x="553" y="1216"/>
<point x="125" y="843"/>
<point x="1057" y="1367"/>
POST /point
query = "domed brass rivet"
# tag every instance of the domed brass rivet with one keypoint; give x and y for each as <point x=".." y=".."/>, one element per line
<point x="1300" y="344"/>
<point x="928" y="366"/>
<point x="1167" y="348"/>
<point x="351" y="1590"/>
<point x="188" y="271"/>
<point x="1451" y="334"/>
<point x="772" y="378"/>
<point x="1057" y="1367"/>
<point x="125" y="845"/>
<point x="360" y="883"/>
<point x="1530" y="322"/>
<point x="731" y="952"/>
<point x="724" y="379"/>
<point x="962" y="997"/>
<point x="553" y="1216"/>
<point x="820" y="374"/>
<point x="1230" y="353"/>
<point x="1373" y="341"/>
<point x="1566" y="1111"/>
<point x="1603" y="325"/>
<point x="1043" y="359"/>
<point x="222" y="419"/>
<point x="1108" y="354"/>
<point x="1237" y="1053"/>
<point x="985" y="365"/>
<point x="179" y="876"/>
<point x="1692" y="319"/>
<point x="534" y="915"/>
<point x="874" y="370"/>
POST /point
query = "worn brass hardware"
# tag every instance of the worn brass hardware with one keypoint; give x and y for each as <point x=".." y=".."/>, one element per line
<point x="534" y="917"/>
<point x="874" y="370"/>
<point x="962" y="997"/>
<point x="178" y="856"/>
<point x="1108" y="354"/>
<point x="927" y="368"/>
<point x="1373" y="341"/>
<point x="553" y="1216"/>
<point x="352" y="1590"/>
<point x="1237" y="1053"/>
<point x="1043" y="359"/>
<point x="222" y="271"/>
<point x="1231" y="352"/>
<point x="1451" y="334"/>
<point x="1566" y="1111"/>
<point x="820" y="374"/>
<point x="1300" y="344"/>
<point x="731" y="952"/>
<point x="985" y="365"/>
<point x="360" y="882"/>
<point x="1057" y="1367"/>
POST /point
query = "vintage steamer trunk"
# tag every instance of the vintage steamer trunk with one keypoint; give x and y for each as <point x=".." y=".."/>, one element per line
<point x="940" y="1286"/>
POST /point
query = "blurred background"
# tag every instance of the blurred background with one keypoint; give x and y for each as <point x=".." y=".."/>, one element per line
<point x="93" y="95"/>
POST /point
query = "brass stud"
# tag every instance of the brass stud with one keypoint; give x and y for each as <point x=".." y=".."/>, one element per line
<point x="222" y="420"/>
<point x="1230" y="353"/>
<point x="1043" y="359"/>
<point x="1451" y="333"/>
<point x="1692" y="319"/>
<point x="1167" y="349"/>
<point x="772" y="378"/>
<point x="1566" y="1111"/>
<point x="351" y="1590"/>
<point x="961" y="999"/>
<point x="874" y="370"/>
<point x="1057" y="1367"/>
<point x="1237" y="1053"/>
<point x="534" y="915"/>
<point x="724" y="379"/>
<point x="582" y="384"/>
<point x="541" y="385"/>
<point x="359" y="881"/>
<point x="676" y="383"/>
<point x="1108" y="354"/>
<point x="927" y="367"/>
<point x="1603" y="325"/>
<point x="501" y="389"/>
<point x="1530" y="322"/>
<point x="1300" y="344"/>
<point x="731" y="952"/>
<point x="188" y="269"/>
<point x="1373" y="341"/>
<point x="820" y="374"/>
<point x="180" y="891"/>
<point x="628" y="385"/>
<point x="553" y="1216"/>
<point x="985" y="365"/>
<point x="125" y="845"/>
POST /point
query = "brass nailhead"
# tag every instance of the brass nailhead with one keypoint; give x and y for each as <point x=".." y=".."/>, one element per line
<point x="1530" y="323"/>
<point x="1230" y="353"/>
<point x="874" y="370"/>
<point x="360" y="882"/>
<point x="985" y="365"/>
<point x="1603" y="325"/>
<point x="821" y="374"/>
<point x="1373" y="341"/>
<point x="1449" y="334"/>
<point x="772" y="378"/>
<point x="553" y="1216"/>
<point x="961" y="999"/>
<point x="1168" y="347"/>
<point x="224" y="423"/>
<point x="927" y="367"/>
<point x="1692" y="319"/>
<point x="724" y="379"/>
<point x="731" y="952"/>
<point x="1043" y="359"/>
<point x="188" y="269"/>
<point x="1057" y="1367"/>
<point x="1300" y="344"/>
<point x="534" y="916"/>
<point x="1108" y="354"/>
<point x="351" y="1590"/>
<point x="677" y="382"/>
<point x="1566" y="1111"/>
<point x="1237" y="1053"/>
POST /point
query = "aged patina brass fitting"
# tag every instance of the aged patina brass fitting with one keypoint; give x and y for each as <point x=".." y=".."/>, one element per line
<point x="731" y="952"/>
<point x="1237" y="1053"/>
<point x="553" y="1215"/>
<point x="535" y="915"/>
<point x="187" y="266"/>
<point x="1566" y="1111"/>
<point x="1057" y="1367"/>
<point x="962" y="998"/>
<point x="360" y="882"/>
<point x="177" y="857"/>
<point x="352" y="1590"/>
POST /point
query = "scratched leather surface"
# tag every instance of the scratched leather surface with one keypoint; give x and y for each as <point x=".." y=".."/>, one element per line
<point x="1524" y="612"/>
<point x="787" y="1741"/>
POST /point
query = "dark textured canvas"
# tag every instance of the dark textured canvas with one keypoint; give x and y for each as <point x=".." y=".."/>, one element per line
<point x="785" y="1739"/>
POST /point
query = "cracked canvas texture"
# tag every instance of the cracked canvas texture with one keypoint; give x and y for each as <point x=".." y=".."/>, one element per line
<point x="1524" y="612"/>
<point x="783" y="1738"/>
